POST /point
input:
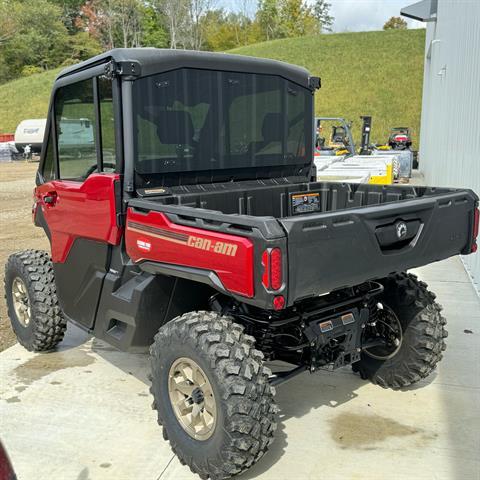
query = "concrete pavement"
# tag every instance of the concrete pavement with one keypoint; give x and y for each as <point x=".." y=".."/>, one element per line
<point x="83" y="413"/>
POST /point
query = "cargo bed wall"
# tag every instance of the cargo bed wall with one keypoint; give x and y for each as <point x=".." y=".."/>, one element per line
<point x="272" y="199"/>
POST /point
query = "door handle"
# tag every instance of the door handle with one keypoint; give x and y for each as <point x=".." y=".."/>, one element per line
<point x="50" y="199"/>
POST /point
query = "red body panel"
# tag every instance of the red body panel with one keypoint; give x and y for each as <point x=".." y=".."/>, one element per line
<point x="154" y="237"/>
<point x="85" y="210"/>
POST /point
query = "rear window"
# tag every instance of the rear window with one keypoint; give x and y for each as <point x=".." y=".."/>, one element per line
<point x="199" y="120"/>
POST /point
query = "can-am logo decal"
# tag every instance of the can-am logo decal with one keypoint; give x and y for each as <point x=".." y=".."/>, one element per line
<point x="214" y="246"/>
<point x="401" y="230"/>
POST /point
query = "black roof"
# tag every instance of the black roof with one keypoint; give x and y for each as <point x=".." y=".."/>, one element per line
<point x="156" y="60"/>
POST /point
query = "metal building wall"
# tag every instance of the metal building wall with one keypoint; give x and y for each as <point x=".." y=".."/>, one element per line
<point x="450" y="125"/>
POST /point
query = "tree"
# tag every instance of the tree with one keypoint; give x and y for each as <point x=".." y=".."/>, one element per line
<point x="321" y="11"/>
<point x="7" y="21"/>
<point x="176" y="13"/>
<point x="114" y="23"/>
<point x="224" y="31"/>
<point x="154" y="32"/>
<point x="83" y="46"/>
<point x="40" y="38"/>
<point x="127" y="17"/>
<point x="395" y="23"/>
<point x="70" y="12"/>
<point x="268" y="18"/>
<point x="196" y="10"/>
<point x="296" y="19"/>
<point x="219" y="34"/>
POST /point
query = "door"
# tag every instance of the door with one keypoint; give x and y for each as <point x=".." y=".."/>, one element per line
<point x="76" y="201"/>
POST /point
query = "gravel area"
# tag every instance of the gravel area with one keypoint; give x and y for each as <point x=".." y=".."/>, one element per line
<point x="17" y="232"/>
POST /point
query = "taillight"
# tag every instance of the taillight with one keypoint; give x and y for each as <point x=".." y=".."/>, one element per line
<point x="272" y="277"/>
<point x="276" y="269"/>
<point x="476" y="221"/>
<point x="266" y="269"/>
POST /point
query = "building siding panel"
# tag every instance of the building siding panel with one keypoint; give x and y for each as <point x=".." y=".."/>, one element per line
<point x="450" y="125"/>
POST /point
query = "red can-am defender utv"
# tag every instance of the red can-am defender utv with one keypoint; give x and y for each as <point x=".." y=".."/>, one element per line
<point x="183" y="217"/>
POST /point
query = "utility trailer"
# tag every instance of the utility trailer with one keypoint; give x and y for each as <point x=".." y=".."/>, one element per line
<point x="191" y="225"/>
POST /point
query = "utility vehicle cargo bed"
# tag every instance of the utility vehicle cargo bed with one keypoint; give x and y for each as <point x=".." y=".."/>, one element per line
<point x="353" y="233"/>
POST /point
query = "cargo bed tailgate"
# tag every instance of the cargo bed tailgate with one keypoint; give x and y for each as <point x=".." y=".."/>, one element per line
<point x="331" y="250"/>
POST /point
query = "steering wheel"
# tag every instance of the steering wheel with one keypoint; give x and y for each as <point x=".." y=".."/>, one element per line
<point x="92" y="168"/>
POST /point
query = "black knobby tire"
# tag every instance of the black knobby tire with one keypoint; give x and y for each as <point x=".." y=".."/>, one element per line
<point x="47" y="324"/>
<point x="423" y="329"/>
<point x="246" y="410"/>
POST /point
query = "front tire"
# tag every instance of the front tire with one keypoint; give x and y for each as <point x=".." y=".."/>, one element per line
<point x="422" y="335"/>
<point x="32" y="302"/>
<point x="203" y="364"/>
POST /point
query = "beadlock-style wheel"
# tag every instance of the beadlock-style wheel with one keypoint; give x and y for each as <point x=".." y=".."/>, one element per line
<point x="192" y="398"/>
<point x="212" y="394"/>
<point x="21" y="302"/>
<point x="32" y="303"/>
<point x="413" y="354"/>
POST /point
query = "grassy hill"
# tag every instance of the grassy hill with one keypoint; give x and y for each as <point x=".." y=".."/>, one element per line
<point x="24" y="98"/>
<point x="365" y="73"/>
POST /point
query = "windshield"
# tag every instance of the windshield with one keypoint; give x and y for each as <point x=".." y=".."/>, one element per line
<point x="199" y="120"/>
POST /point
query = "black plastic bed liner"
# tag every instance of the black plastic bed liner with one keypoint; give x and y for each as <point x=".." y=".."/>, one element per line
<point x="273" y="197"/>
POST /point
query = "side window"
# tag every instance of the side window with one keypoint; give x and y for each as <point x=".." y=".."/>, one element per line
<point x="107" y="123"/>
<point x="75" y="121"/>
<point x="48" y="170"/>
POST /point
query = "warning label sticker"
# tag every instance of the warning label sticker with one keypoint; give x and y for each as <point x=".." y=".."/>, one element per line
<point x="305" y="203"/>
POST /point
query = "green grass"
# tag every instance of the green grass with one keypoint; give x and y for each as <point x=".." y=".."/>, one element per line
<point x="365" y="73"/>
<point x="24" y="98"/>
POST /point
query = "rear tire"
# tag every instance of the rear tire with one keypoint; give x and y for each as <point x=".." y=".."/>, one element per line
<point x="423" y="335"/>
<point x="32" y="302"/>
<point x="241" y="399"/>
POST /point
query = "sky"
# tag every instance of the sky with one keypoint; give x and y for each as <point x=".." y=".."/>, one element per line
<point x="361" y="15"/>
<point x="350" y="15"/>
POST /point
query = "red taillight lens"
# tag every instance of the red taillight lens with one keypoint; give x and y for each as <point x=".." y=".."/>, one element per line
<point x="476" y="221"/>
<point x="276" y="269"/>
<point x="272" y="277"/>
<point x="266" y="269"/>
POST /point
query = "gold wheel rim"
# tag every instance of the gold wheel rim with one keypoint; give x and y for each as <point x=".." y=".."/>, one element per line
<point x="192" y="398"/>
<point x="21" y="302"/>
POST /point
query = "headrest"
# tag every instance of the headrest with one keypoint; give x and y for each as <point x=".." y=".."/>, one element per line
<point x="174" y="127"/>
<point x="272" y="127"/>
